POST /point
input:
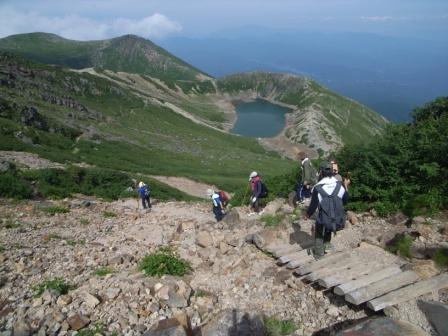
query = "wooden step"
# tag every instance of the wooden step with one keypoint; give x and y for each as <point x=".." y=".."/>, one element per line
<point x="301" y="260"/>
<point x="371" y="277"/>
<point x="287" y="258"/>
<point x="410" y="292"/>
<point x="325" y="261"/>
<point x="337" y="267"/>
<point x="275" y="246"/>
<point x="287" y="250"/>
<point x="354" y="272"/>
<point x="381" y="287"/>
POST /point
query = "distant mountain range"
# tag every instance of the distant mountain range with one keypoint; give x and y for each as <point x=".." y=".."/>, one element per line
<point x="127" y="104"/>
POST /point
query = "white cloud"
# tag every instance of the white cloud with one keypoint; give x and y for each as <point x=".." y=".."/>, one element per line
<point x="377" y="18"/>
<point x="81" y="28"/>
<point x="154" y="26"/>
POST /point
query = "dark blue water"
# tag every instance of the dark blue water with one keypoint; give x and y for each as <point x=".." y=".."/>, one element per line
<point x="259" y="119"/>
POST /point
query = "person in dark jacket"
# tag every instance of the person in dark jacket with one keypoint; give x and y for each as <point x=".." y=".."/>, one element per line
<point x="308" y="179"/>
<point x="144" y="192"/>
<point x="256" y="188"/>
<point x="329" y="183"/>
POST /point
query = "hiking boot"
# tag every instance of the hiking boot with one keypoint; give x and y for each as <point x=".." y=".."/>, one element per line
<point x="328" y="248"/>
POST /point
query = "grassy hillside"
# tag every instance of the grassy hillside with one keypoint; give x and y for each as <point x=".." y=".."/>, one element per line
<point x="67" y="116"/>
<point x="146" y="78"/>
<point x="323" y="119"/>
<point x="127" y="53"/>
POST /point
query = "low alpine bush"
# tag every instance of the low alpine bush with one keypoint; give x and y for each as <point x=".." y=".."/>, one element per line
<point x="164" y="261"/>
<point x="59" y="285"/>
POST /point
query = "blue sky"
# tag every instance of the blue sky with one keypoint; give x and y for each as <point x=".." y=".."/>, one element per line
<point x="158" y="19"/>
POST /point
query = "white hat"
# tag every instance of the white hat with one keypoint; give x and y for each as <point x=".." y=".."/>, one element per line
<point x="210" y="192"/>
<point x="141" y="184"/>
<point x="252" y="175"/>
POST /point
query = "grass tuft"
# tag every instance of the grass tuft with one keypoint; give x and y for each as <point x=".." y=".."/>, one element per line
<point x="441" y="257"/>
<point x="103" y="271"/>
<point x="165" y="261"/>
<point x="98" y="329"/>
<point x="401" y="246"/>
<point x="272" y="220"/>
<point x="55" y="209"/>
<point x="109" y="214"/>
<point x="57" y="284"/>
<point x="275" y="327"/>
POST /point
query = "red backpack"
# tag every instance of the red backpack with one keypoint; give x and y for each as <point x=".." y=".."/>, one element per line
<point x="223" y="197"/>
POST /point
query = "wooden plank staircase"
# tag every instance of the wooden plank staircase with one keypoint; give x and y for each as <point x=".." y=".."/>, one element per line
<point x="366" y="274"/>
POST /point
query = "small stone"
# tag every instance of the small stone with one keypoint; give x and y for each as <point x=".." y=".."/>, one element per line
<point x="204" y="239"/>
<point x="78" y="321"/>
<point x="112" y="293"/>
<point x="333" y="311"/>
<point x="163" y="292"/>
<point x="37" y="302"/>
<point x="64" y="300"/>
<point x="351" y="216"/>
<point x="90" y="300"/>
<point x="21" y="329"/>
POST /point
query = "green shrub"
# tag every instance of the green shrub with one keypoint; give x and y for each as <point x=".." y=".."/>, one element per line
<point x="102" y="271"/>
<point x="84" y="221"/>
<point x="109" y="214"/>
<point x="55" y="209"/>
<point x="404" y="168"/>
<point x="165" y="261"/>
<point x="13" y="186"/>
<point x="57" y="284"/>
<point x="275" y="327"/>
<point x="272" y="220"/>
<point x="11" y="224"/>
<point x="401" y="245"/>
<point x="73" y="242"/>
<point x="98" y="329"/>
<point x="441" y="257"/>
<point x="2" y="248"/>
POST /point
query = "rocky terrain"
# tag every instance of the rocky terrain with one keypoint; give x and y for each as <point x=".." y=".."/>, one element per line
<point x="95" y="248"/>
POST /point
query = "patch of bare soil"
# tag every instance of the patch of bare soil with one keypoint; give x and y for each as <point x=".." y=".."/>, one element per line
<point x="190" y="187"/>
<point x="28" y="160"/>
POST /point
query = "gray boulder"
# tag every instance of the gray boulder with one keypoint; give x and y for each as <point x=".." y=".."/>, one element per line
<point x="382" y="326"/>
<point x="235" y="322"/>
<point x="437" y="314"/>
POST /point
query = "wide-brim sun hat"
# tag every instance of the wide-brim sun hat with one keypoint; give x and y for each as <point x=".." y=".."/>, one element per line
<point x="141" y="184"/>
<point x="209" y="192"/>
<point x="252" y="175"/>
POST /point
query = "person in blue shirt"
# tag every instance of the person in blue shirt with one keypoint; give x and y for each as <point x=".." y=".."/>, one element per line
<point x="145" y="193"/>
<point x="218" y="208"/>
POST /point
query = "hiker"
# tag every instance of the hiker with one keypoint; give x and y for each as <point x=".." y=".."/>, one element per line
<point x="329" y="196"/>
<point x="224" y="197"/>
<point x="218" y="208"/>
<point x="144" y="192"/>
<point x="334" y="166"/>
<point x="258" y="189"/>
<point x="308" y="179"/>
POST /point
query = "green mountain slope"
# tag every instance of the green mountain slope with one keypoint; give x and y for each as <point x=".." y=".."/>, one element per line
<point x="320" y="118"/>
<point x="127" y="53"/>
<point x="68" y="116"/>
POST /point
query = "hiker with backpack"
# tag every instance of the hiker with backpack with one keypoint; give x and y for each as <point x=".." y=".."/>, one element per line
<point x="329" y="196"/>
<point x="308" y="179"/>
<point x="218" y="207"/>
<point x="145" y="193"/>
<point x="258" y="189"/>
